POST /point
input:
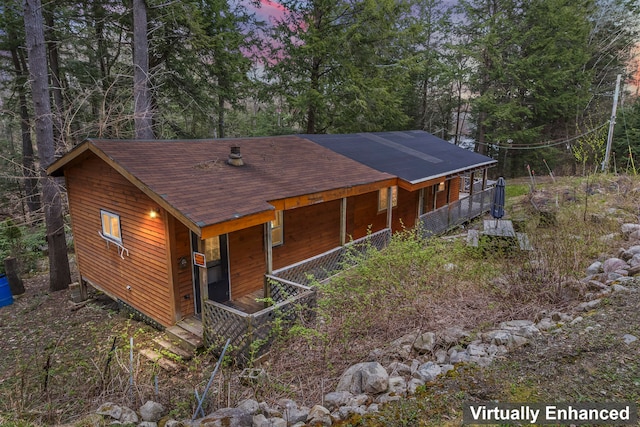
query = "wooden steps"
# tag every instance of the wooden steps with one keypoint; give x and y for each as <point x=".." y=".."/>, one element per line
<point x="179" y="343"/>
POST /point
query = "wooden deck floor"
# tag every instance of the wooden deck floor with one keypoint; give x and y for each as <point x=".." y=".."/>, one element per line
<point x="248" y="303"/>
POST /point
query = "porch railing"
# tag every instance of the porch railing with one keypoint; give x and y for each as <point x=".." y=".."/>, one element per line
<point x="456" y="213"/>
<point x="325" y="265"/>
<point x="288" y="290"/>
<point x="244" y="329"/>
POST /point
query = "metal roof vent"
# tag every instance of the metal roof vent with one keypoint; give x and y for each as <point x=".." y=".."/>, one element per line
<point x="235" y="158"/>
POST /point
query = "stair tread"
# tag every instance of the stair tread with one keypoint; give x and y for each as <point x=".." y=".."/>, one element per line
<point x="192" y="325"/>
<point x="185" y="338"/>
<point x="156" y="357"/>
<point x="173" y="348"/>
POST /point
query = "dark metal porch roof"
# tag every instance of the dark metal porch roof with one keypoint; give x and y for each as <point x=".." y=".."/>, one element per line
<point x="414" y="156"/>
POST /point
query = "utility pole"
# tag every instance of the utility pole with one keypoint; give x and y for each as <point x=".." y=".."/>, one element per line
<point x="612" y="123"/>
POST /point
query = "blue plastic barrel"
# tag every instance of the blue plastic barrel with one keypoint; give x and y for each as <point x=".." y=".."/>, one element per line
<point x="5" y="292"/>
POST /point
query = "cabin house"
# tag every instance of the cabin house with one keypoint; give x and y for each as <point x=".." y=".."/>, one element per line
<point x="200" y="229"/>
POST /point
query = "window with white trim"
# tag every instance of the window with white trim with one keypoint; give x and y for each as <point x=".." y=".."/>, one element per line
<point x="382" y="198"/>
<point x="111" y="226"/>
<point x="277" y="229"/>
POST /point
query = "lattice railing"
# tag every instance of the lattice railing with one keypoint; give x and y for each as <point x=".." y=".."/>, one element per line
<point x="325" y="265"/>
<point x="456" y="213"/>
<point x="244" y="329"/>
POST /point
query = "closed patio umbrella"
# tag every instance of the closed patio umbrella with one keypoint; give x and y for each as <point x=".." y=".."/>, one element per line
<point x="497" y="207"/>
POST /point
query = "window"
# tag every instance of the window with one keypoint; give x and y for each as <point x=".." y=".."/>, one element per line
<point x="277" y="231"/>
<point x="111" y="226"/>
<point x="440" y="187"/>
<point x="382" y="198"/>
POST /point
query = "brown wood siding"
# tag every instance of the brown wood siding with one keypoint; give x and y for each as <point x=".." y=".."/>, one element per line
<point x="363" y="215"/>
<point x="247" y="261"/>
<point x="93" y="186"/>
<point x="455" y="188"/>
<point x="404" y="215"/>
<point x="184" y="279"/>
<point x="308" y="231"/>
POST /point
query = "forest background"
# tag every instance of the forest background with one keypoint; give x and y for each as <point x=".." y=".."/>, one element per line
<point x="527" y="82"/>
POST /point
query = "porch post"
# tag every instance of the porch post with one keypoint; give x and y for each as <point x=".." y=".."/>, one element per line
<point x="434" y="189"/>
<point x="420" y="202"/>
<point x="204" y="289"/>
<point x="268" y="246"/>
<point x="471" y="183"/>
<point x="343" y="221"/>
<point x="389" y="206"/>
<point x="484" y="188"/>
<point x="268" y="250"/>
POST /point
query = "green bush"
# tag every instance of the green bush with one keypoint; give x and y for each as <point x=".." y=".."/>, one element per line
<point x="22" y="242"/>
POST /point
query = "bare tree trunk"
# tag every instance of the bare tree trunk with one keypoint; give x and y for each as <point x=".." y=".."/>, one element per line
<point x="59" y="273"/>
<point x="56" y="87"/>
<point x="28" y="168"/>
<point x="142" y="102"/>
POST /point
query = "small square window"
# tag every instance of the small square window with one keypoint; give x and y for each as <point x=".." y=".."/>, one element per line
<point x="382" y="198"/>
<point x="440" y="186"/>
<point x="277" y="229"/>
<point x="111" y="226"/>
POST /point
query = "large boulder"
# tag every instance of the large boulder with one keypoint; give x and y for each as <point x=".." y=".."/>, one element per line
<point x="425" y="342"/>
<point x="613" y="264"/>
<point x="151" y="411"/>
<point x="367" y="377"/>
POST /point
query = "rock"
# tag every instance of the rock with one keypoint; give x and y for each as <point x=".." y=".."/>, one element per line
<point x="481" y="360"/>
<point x="398" y="368"/>
<point x="577" y="320"/>
<point x="529" y="331"/>
<point x="458" y="357"/>
<point x="628" y="338"/>
<point x="514" y="325"/>
<point x="498" y="337"/>
<point x="367" y="377"/>
<point x="589" y="305"/>
<point x="613" y="264"/>
<point x="337" y="398"/>
<point x="148" y="424"/>
<point x="277" y="422"/>
<point x="594" y="268"/>
<point x="345" y="412"/>
<point x="359" y="400"/>
<point x="249" y="406"/>
<point x="452" y="336"/>
<point x="627" y="229"/>
<point x="449" y="267"/>
<point x="545" y="324"/>
<point x="397" y="385"/>
<point x="294" y="414"/>
<point x="229" y="417"/>
<point x="260" y="421"/>
<point x="151" y="411"/>
<point x="413" y="384"/>
<point x="441" y="356"/>
<point x="128" y="416"/>
<point x="594" y="285"/>
<point x="620" y="288"/>
<point x="425" y="342"/>
<point x="386" y="398"/>
<point x="319" y="415"/>
<point x="634" y="270"/>
<point x="477" y="349"/>
<point x="428" y="372"/>
<point x="110" y="409"/>
<point x="174" y="423"/>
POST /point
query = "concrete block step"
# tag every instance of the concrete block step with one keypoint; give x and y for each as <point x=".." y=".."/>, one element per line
<point x="166" y="345"/>
<point x="155" y="357"/>
<point x="183" y="338"/>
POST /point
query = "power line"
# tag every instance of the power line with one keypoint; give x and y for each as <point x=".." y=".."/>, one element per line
<point x="545" y="144"/>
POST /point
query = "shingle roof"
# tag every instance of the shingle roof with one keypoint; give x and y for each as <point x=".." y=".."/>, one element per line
<point x="413" y="156"/>
<point x="194" y="178"/>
